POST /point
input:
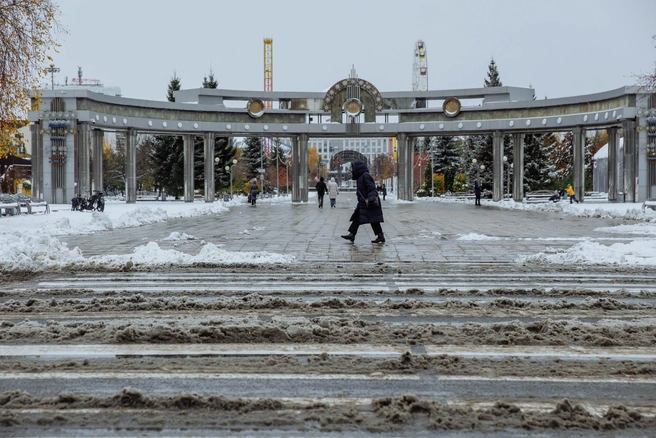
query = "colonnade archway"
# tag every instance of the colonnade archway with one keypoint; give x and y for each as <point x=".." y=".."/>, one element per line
<point x="67" y="132"/>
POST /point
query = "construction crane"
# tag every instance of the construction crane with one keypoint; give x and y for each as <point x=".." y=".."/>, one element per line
<point x="268" y="69"/>
<point x="420" y="68"/>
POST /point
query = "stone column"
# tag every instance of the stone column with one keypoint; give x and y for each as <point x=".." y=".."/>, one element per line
<point x="83" y="159"/>
<point x="131" y="166"/>
<point x="578" y="178"/>
<point x="208" y="155"/>
<point x="96" y="160"/>
<point x="612" y="164"/>
<point x="405" y="183"/>
<point x="188" y="152"/>
<point x="630" y="160"/>
<point x="37" y="160"/>
<point x="497" y="166"/>
<point x="299" y="168"/>
<point x="518" y="167"/>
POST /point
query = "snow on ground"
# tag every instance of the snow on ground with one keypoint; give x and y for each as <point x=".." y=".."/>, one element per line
<point x="30" y="243"/>
<point x="636" y="251"/>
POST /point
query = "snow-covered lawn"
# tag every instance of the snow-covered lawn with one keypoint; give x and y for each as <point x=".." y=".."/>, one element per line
<point x="639" y="252"/>
<point x="30" y="243"/>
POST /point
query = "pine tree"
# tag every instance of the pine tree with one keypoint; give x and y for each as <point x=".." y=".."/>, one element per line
<point x="210" y="82"/>
<point x="174" y="85"/>
<point x="446" y="159"/>
<point x="167" y="155"/>
<point x="493" y="79"/>
<point x="253" y="156"/>
<point x="480" y="146"/>
<point x="539" y="169"/>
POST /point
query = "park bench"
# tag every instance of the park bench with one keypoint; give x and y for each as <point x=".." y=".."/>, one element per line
<point x="9" y="206"/>
<point x="538" y="196"/>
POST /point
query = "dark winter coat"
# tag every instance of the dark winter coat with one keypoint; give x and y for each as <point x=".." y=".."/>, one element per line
<point x="477" y="189"/>
<point x="366" y="190"/>
<point x="321" y="187"/>
<point x="253" y="192"/>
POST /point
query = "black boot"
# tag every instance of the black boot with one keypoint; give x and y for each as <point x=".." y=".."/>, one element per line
<point x="349" y="236"/>
<point x="379" y="239"/>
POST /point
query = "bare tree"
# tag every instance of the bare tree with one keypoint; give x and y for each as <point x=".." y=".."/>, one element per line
<point x="648" y="81"/>
<point x="27" y="29"/>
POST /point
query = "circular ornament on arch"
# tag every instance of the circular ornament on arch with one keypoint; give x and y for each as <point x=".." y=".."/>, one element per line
<point x="451" y="107"/>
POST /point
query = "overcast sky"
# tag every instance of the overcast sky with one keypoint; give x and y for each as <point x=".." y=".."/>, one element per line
<point x="560" y="47"/>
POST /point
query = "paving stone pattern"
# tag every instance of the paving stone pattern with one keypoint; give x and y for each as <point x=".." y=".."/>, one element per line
<point x="415" y="232"/>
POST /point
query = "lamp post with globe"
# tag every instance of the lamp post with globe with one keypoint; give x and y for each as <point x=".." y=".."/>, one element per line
<point x="479" y="167"/>
<point x="229" y="169"/>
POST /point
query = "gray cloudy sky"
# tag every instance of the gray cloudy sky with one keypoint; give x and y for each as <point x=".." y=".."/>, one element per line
<point x="560" y="47"/>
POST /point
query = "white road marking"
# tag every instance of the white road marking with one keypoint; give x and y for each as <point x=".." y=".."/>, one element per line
<point x="362" y="350"/>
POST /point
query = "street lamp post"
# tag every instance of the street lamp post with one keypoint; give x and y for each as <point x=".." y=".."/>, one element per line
<point x="216" y="161"/>
<point x="229" y="169"/>
<point x="505" y="160"/>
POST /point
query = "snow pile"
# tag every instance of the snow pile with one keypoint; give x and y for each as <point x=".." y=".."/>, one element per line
<point x="475" y="236"/>
<point x="176" y="235"/>
<point x="636" y="253"/>
<point x="151" y="255"/>
<point x="35" y="252"/>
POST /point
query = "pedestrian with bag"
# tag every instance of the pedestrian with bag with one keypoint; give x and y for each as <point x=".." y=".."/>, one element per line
<point x="252" y="194"/>
<point x="333" y="191"/>
<point x="321" y="191"/>
<point x="368" y="209"/>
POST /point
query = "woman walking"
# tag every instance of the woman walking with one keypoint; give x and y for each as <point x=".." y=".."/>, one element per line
<point x="368" y="210"/>
<point x="333" y="191"/>
<point x="252" y="195"/>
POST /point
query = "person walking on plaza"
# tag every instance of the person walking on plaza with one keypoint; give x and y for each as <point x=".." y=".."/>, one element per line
<point x="321" y="191"/>
<point x="570" y="192"/>
<point x="333" y="191"/>
<point x="477" y="193"/>
<point x="252" y="195"/>
<point x="368" y="210"/>
<point x="384" y="190"/>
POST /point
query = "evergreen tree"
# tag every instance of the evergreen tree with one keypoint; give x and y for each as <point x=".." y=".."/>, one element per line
<point x="223" y="150"/>
<point x="446" y="159"/>
<point x="539" y="170"/>
<point x="253" y="156"/>
<point x="480" y="146"/>
<point x="174" y="85"/>
<point x="493" y="79"/>
<point x="210" y="82"/>
<point x="167" y="156"/>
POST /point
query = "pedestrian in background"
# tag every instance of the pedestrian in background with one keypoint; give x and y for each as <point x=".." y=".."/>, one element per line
<point x="252" y="195"/>
<point x="477" y="193"/>
<point x="384" y="190"/>
<point x="321" y="191"/>
<point x="368" y="210"/>
<point x="570" y="192"/>
<point x="333" y="191"/>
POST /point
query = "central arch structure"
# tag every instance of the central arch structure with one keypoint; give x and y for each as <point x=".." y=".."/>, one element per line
<point x="68" y="130"/>
<point x="345" y="157"/>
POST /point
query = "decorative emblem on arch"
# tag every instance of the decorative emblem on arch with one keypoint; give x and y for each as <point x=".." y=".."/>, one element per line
<point x="357" y="82"/>
<point x="345" y="157"/>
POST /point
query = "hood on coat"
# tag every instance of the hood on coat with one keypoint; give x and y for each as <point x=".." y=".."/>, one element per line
<point x="358" y="168"/>
<point x="332" y="179"/>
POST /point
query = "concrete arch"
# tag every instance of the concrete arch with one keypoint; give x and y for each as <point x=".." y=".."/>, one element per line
<point x="345" y="157"/>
